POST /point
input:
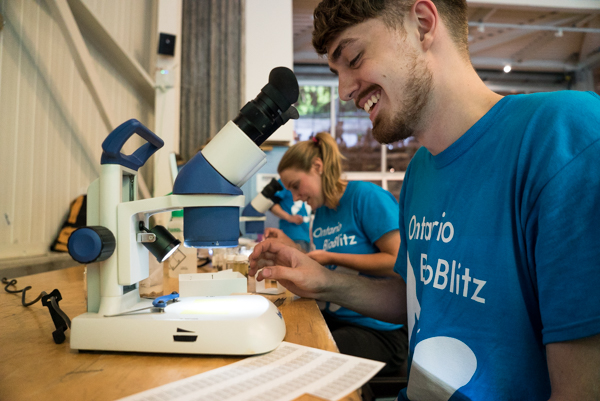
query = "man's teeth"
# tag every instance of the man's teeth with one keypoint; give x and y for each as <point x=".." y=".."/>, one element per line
<point x="371" y="102"/>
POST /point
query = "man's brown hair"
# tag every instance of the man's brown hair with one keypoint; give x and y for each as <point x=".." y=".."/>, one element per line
<point x="331" y="17"/>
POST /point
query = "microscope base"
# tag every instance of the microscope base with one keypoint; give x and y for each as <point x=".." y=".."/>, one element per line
<point x="224" y="325"/>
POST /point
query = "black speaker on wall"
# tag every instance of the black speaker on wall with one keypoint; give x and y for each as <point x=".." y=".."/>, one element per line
<point x="166" y="44"/>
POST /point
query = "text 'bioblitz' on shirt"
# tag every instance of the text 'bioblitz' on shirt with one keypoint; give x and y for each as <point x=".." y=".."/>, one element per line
<point x="444" y="231"/>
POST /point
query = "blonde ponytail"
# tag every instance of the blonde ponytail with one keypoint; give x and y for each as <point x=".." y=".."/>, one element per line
<point x="302" y="155"/>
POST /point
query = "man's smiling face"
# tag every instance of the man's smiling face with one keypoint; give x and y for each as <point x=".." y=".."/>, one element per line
<point x="383" y="74"/>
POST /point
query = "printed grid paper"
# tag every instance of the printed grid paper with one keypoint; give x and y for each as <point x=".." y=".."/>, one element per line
<point x="283" y="374"/>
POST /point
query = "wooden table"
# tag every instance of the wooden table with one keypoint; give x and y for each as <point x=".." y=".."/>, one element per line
<point x="33" y="367"/>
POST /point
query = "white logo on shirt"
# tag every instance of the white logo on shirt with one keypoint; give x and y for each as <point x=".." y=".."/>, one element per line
<point x="319" y="232"/>
<point x="443" y="278"/>
<point x="440" y="365"/>
<point x="297" y="207"/>
<point x="440" y="279"/>
<point x="425" y="229"/>
<point x="339" y="240"/>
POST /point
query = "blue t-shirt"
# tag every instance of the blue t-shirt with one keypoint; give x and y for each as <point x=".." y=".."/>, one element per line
<point x="365" y="213"/>
<point x="500" y="248"/>
<point x="297" y="232"/>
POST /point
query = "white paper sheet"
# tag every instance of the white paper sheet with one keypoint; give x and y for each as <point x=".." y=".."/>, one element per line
<point x="281" y="375"/>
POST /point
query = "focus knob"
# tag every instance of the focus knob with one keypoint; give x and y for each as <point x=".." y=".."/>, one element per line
<point x="91" y="244"/>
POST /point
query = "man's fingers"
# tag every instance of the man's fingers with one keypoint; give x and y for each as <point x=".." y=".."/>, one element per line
<point x="277" y="272"/>
<point x="291" y="279"/>
<point x="267" y="246"/>
<point x="258" y="265"/>
<point x="266" y="253"/>
<point x="272" y="232"/>
<point x="262" y="263"/>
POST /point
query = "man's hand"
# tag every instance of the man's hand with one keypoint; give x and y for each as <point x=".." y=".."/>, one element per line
<point x="292" y="268"/>
<point x="277" y="235"/>
<point x="383" y="299"/>
<point x="323" y="257"/>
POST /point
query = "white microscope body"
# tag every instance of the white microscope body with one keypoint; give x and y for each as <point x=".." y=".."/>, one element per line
<point x="223" y="325"/>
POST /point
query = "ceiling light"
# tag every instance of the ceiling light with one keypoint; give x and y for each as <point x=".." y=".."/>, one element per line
<point x="507" y="68"/>
<point x="481" y="28"/>
<point x="559" y="33"/>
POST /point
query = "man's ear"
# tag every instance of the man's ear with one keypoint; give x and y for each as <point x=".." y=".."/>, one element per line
<point x="427" y="21"/>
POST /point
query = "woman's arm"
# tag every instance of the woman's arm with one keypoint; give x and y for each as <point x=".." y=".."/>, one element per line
<point x="375" y="264"/>
<point x="278" y="211"/>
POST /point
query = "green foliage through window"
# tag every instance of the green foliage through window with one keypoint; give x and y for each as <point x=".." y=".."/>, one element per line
<point x="314" y="100"/>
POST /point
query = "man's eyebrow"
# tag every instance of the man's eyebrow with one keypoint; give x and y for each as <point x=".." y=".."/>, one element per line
<point x="338" y="51"/>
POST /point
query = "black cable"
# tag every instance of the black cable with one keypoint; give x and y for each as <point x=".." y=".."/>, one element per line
<point x="59" y="318"/>
<point x="24" y="291"/>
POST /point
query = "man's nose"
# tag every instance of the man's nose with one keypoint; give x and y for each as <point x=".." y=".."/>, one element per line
<point x="348" y="86"/>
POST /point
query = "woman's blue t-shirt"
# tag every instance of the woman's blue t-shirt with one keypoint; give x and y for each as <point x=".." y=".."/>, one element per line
<point x="365" y="213"/>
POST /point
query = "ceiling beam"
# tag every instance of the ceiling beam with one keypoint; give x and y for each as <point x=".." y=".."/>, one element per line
<point x="83" y="60"/>
<point x="527" y="87"/>
<point x="589" y="44"/>
<point x="309" y="56"/>
<point x="303" y="41"/>
<point x="99" y="36"/>
<point x="538" y="65"/>
<point x="509" y="35"/>
<point x="543" y="38"/>
<point x="590" y="62"/>
<point x="527" y="27"/>
<point x="557" y="5"/>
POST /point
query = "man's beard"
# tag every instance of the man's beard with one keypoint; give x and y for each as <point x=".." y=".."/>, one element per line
<point x="416" y="96"/>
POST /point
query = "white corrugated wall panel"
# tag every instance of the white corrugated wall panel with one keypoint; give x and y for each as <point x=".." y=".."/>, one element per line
<point x="50" y="130"/>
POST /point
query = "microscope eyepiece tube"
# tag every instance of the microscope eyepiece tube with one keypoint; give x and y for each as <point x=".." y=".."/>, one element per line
<point x="262" y="116"/>
<point x="240" y="138"/>
<point x="233" y="154"/>
<point x="231" y="158"/>
<point x="271" y="189"/>
<point x="234" y="151"/>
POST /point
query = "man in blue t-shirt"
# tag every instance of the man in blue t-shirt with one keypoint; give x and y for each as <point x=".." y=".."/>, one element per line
<point x="499" y="221"/>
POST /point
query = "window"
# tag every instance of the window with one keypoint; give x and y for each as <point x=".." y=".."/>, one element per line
<point x="321" y="109"/>
<point x="314" y="107"/>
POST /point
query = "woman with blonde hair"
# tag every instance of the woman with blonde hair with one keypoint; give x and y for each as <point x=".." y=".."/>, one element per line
<point x="355" y="231"/>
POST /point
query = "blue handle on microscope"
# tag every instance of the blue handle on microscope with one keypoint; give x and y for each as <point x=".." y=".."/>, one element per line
<point x="161" y="302"/>
<point x="114" y="142"/>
